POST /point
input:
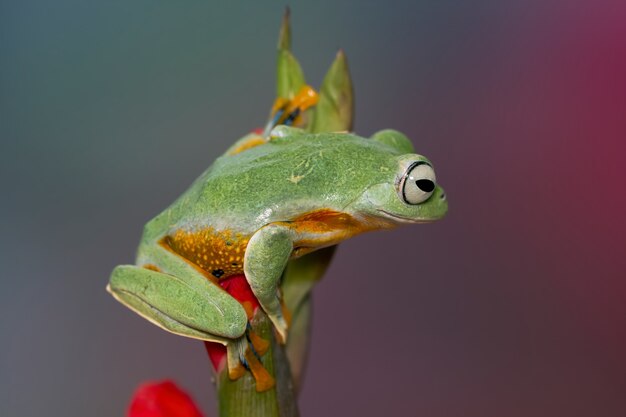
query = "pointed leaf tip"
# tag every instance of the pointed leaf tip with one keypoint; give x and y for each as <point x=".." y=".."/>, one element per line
<point x="335" y="110"/>
<point x="289" y="75"/>
<point x="284" y="37"/>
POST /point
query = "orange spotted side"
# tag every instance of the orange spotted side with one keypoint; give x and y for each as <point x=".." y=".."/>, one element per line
<point x="218" y="252"/>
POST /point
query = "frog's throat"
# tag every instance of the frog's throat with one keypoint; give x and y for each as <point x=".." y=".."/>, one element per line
<point x="402" y="219"/>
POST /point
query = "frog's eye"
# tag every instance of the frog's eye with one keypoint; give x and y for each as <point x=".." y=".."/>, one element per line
<point x="418" y="183"/>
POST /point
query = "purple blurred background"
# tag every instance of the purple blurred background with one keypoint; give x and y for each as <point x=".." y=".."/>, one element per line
<point x="511" y="306"/>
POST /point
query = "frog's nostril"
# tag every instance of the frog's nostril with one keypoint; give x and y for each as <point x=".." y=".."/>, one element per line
<point x="425" y="185"/>
<point x="442" y="196"/>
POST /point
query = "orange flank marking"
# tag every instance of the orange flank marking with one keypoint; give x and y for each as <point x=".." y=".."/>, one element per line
<point x="326" y="227"/>
<point x="249" y="143"/>
<point x="264" y="380"/>
<point x="152" y="267"/>
<point x="220" y="253"/>
<point x="328" y="217"/>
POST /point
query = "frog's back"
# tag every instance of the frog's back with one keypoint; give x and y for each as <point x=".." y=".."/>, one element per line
<point x="278" y="181"/>
<point x="288" y="176"/>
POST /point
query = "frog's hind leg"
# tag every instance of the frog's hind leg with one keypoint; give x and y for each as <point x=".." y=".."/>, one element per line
<point x="174" y="295"/>
<point x="284" y="112"/>
<point x="289" y="112"/>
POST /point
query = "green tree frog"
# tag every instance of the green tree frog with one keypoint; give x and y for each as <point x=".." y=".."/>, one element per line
<point x="273" y="196"/>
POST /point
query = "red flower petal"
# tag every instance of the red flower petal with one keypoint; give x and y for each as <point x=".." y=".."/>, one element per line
<point x="162" y="399"/>
<point x="238" y="287"/>
<point x="217" y="354"/>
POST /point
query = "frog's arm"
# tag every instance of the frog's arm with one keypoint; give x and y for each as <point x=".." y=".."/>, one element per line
<point x="266" y="255"/>
<point x="269" y="251"/>
<point x="174" y="295"/>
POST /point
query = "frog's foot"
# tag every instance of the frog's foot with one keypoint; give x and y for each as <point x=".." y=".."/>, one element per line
<point x="245" y="354"/>
<point x="289" y="112"/>
<point x="284" y="112"/>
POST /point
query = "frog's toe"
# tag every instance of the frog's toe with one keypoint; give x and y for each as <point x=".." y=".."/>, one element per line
<point x="245" y="354"/>
<point x="177" y="306"/>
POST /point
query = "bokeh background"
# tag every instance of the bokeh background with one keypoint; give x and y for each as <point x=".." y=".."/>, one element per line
<point x="511" y="306"/>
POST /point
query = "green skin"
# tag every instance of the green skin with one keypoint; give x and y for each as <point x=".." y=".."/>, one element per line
<point x="256" y="193"/>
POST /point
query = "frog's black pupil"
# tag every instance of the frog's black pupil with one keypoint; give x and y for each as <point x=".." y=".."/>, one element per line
<point x="425" y="185"/>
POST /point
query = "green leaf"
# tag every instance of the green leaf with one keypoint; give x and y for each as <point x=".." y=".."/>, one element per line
<point x="289" y="75"/>
<point x="298" y="280"/>
<point x="301" y="274"/>
<point x="335" y="110"/>
<point x="284" y="37"/>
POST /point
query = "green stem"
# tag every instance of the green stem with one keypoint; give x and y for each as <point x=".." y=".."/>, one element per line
<point x="240" y="399"/>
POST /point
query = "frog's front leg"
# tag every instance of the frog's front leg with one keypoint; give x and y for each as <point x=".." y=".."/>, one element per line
<point x="265" y="259"/>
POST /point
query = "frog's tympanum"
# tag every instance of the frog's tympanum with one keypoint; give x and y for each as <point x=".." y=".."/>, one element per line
<point x="274" y="196"/>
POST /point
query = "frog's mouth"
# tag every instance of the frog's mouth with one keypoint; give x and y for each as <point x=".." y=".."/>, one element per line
<point x="403" y="219"/>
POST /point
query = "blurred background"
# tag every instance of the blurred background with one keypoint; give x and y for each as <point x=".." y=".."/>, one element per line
<point x="513" y="305"/>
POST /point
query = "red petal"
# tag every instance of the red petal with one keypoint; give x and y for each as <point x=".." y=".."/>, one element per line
<point x="238" y="287"/>
<point x="162" y="399"/>
<point x="217" y="354"/>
